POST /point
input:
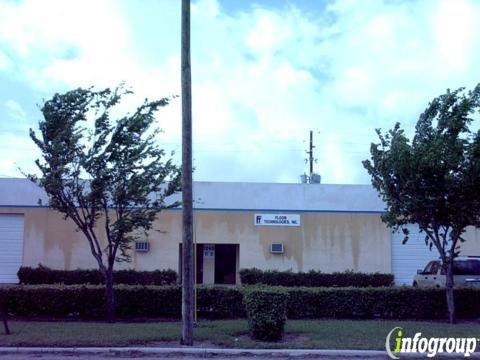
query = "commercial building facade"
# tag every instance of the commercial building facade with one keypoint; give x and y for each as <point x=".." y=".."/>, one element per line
<point x="295" y="227"/>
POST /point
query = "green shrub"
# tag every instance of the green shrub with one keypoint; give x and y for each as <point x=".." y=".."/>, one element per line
<point x="136" y="301"/>
<point x="44" y="275"/>
<point x="266" y="312"/>
<point x="384" y="303"/>
<point x="314" y="278"/>
<point x="220" y="303"/>
<point x="131" y="301"/>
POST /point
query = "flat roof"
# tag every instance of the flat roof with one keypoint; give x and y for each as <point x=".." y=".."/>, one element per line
<point x="17" y="192"/>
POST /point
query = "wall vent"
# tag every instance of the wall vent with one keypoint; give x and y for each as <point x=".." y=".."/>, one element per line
<point x="142" y="246"/>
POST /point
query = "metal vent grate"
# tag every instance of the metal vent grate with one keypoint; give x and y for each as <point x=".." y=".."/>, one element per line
<point x="142" y="246"/>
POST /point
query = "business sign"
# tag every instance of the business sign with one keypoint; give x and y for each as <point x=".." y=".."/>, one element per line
<point x="277" y="219"/>
<point x="209" y="251"/>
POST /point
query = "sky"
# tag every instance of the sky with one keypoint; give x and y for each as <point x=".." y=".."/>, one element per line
<point x="264" y="74"/>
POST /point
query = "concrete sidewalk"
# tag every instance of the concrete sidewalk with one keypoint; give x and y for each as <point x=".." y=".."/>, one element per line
<point x="183" y="352"/>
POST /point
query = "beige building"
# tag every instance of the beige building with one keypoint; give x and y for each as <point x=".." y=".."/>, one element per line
<point x="295" y="227"/>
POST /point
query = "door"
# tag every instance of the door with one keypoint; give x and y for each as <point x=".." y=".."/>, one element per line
<point x="11" y="247"/>
<point x="208" y="263"/>
<point x="435" y="277"/>
<point x="408" y="258"/>
<point x="430" y="275"/>
<point x="225" y="263"/>
<point x="198" y="263"/>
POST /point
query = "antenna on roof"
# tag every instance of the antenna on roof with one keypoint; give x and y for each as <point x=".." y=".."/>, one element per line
<point x="312" y="178"/>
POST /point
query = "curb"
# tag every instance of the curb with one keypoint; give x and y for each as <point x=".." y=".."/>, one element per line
<point x="209" y="352"/>
<point x="197" y="351"/>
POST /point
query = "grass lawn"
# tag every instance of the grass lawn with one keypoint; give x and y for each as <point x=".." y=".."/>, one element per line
<point x="320" y="334"/>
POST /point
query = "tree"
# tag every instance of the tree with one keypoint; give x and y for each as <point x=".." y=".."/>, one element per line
<point x="433" y="181"/>
<point x="110" y="177"/>
<point x="4" y="313"/>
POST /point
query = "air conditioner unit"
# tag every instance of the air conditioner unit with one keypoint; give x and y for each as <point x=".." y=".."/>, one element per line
<point x="142" y="246"/>
<point x="277" y="248"/>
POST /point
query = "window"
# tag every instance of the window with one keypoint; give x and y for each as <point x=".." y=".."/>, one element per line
<point x="435" y="267"/>
<point x="466" y="267"/>
<point x="428" y="268"/>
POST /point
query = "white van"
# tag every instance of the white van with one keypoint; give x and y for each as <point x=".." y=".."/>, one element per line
<point x="466" y="272"/>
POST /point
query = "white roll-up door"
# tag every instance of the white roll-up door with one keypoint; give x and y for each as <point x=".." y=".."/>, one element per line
<point x="408" y="258"/>
<point x="11" y="247"/>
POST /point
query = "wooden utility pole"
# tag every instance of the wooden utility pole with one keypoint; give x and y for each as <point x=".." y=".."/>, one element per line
<point x="187" y="201"/>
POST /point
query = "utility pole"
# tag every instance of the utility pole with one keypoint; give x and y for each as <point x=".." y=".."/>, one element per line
<point x="187" y="201"/>
<point x="311" y="178"/>
<point x="310" y="154"/>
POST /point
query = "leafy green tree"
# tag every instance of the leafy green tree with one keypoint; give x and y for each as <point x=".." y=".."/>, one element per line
<point x="433" y="181"/>
<point x="109" y="177"/>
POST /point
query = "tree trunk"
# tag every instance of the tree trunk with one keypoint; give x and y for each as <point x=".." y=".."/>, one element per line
<point x="109" y="296"/>
<point x="3" y="309"/>
<point x="450" y="299"/>
<point x="187" y="193"/>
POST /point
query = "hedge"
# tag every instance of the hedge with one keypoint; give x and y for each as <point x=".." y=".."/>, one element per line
<point x="266" y="312"/>
<point x="314" y="278"/>
<point x="87" y="302"/>
<point x="383" y="303"/>
<point x="44" y="275"/>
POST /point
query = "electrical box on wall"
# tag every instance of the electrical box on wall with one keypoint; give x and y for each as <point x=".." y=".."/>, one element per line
<point x="277" y="248"/>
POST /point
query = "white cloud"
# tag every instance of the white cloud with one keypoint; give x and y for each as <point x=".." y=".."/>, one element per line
<point x="15" y="110"/>
<point x="24" y="152"/>
<point x="452" y="25"/>
<point x="5" y="62"/>
<point x="268" y="33"/>
<point x="263" y="77"/>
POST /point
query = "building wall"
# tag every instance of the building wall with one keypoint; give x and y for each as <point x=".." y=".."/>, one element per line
<point x="347" y="235"/>
<point x="324" y="241"/>
<point x="471" y="246"/>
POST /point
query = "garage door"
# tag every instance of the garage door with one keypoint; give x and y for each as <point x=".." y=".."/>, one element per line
<point x="11" y="247"/>
<point x="406" y="259"/>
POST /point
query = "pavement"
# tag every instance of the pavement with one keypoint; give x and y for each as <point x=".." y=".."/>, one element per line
<point x="182" y="353"/>
<point x="187" y="353"/>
